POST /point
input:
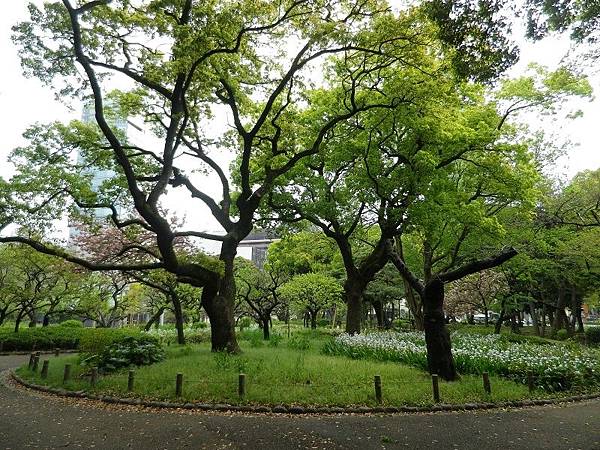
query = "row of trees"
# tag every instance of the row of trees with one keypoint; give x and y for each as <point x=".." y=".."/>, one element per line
<point x="362" y="121"/>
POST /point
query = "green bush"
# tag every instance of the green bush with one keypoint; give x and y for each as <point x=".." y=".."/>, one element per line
<point x="244" y="322"/>
<point x="197" y="337"/>
<point x="140" y="350"/>
<point x="592" y="335"/>
<point x="98" y="339"/>
<point x="41" y="338"/>
<point x="562" y="335"/>
<point x="322" y="323"/>
<point x="72" y="323"/>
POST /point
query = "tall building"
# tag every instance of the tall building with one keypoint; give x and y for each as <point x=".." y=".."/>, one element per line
<point x="98" y="175"/>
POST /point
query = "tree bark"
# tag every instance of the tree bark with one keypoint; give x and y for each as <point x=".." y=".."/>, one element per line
<point x="178" y="311"/>
<point x="378" y="307"/>
<point x="437" y="337"/>
<point x="498" y="324"/>
<point x="534" y="318"/>
<point x="154" y="319"/>
<point x="18" y="320"/>
<point x="414" y="305"/>
<point x="560" y="317"/>
<point x="265" y="326"/>
<point x="576" y="310"/>
<point x="218" y="300"/>
<point x="354" y="288"/>
<point x="313" y="318"/>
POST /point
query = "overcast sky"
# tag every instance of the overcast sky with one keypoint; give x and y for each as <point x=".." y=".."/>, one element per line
<point x="25" y="101"/>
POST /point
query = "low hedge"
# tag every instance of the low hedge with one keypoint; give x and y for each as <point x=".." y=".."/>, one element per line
<point x="64" y="337"/>
<point x="592" y="335"/>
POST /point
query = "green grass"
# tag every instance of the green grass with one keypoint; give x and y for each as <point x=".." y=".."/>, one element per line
<point x="280" y="375"/>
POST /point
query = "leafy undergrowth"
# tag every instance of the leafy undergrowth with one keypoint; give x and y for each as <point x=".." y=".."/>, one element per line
<point x="289" y="373"/>
<point x="554" y="367"/>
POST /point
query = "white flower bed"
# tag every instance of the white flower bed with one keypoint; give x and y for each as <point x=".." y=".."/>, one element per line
<point x="192" y="335"/>
<point x="555" y="367"/>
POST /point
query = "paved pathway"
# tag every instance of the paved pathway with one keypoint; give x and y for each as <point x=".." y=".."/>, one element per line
<point x="31" y="420"/>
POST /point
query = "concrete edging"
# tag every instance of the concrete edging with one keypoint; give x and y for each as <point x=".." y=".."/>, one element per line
<point x="293" y="409"/>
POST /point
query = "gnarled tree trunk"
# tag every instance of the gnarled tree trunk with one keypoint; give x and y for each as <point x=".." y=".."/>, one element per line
<point x="354" y="288"/>
<point x="218" y="300"/>
<point x="437" y="337"/>
<point x="178" y="311"/>
<point x="414" y="305"/>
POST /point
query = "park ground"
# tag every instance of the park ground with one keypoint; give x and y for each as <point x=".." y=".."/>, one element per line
<point x="32" y="420"/>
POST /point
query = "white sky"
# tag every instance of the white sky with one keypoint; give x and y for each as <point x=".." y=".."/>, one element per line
<point x="25" y="101"/>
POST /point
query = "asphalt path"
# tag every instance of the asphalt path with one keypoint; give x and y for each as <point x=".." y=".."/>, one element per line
<point x="32" y="420"/>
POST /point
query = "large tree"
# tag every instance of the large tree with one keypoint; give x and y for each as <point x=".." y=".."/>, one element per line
<point x="187" y="62"/>
<point x="482" y="181"/>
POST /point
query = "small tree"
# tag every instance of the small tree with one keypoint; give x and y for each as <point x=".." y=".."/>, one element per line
<point x="258" y="290"/>
<point x="475" y="292"/>
<point x="312" y="293"/>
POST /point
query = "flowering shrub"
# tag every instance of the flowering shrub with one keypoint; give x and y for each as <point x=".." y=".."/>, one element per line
<point x="192" y="335"/>
<point x="555" y="367"/>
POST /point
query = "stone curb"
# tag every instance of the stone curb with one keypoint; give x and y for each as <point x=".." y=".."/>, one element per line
<point x="43" y="352"/>
<point x="292" y="409"/>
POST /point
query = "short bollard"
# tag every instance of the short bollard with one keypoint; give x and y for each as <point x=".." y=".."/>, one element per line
<point x="436" y="387"/>
<point x="44" y="372"/>
<point x="36" y="361"/>
<point x="31" y="358"/>
<point x="67" y="373"/>
<point x="179" y="385"/>
<point x="486" y="383"/>
<point x="57" y="352"/>
<point x="94" y="377"/>
<point x="530" y="382"/>
<point x="130" y="381"/>
<point x="377" y="383"/>
<point x="242" y="385"/>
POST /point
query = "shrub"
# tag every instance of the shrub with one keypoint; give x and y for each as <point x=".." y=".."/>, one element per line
<point x="71" y="323"/>
<point x="41" y="338"/>
<point x="322" y="323"/>
<point x="98" y="339"/>
<point x="562" y="335"/>
<point x="244" y="322"/>
<point x="140" y="350"/>
<point x="592" y="335"/>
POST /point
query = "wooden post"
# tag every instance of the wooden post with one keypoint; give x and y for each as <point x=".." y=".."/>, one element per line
<point x="130" y="381"/>
<point x="31" y="357"/>
<point x="486" y="383"/>
<point x="67" y="373"/>
<point x="530" y="382"/>
<point x="36" y="361"/>
<point x="242" y="385"/>
<point x="57" y="351"/>
<point x="377" y="383"/>
<point x="436" y="387"/>
<point x="45" y="368"/>
<point x="94" y="377"/>
<point x="179" y="385"/>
